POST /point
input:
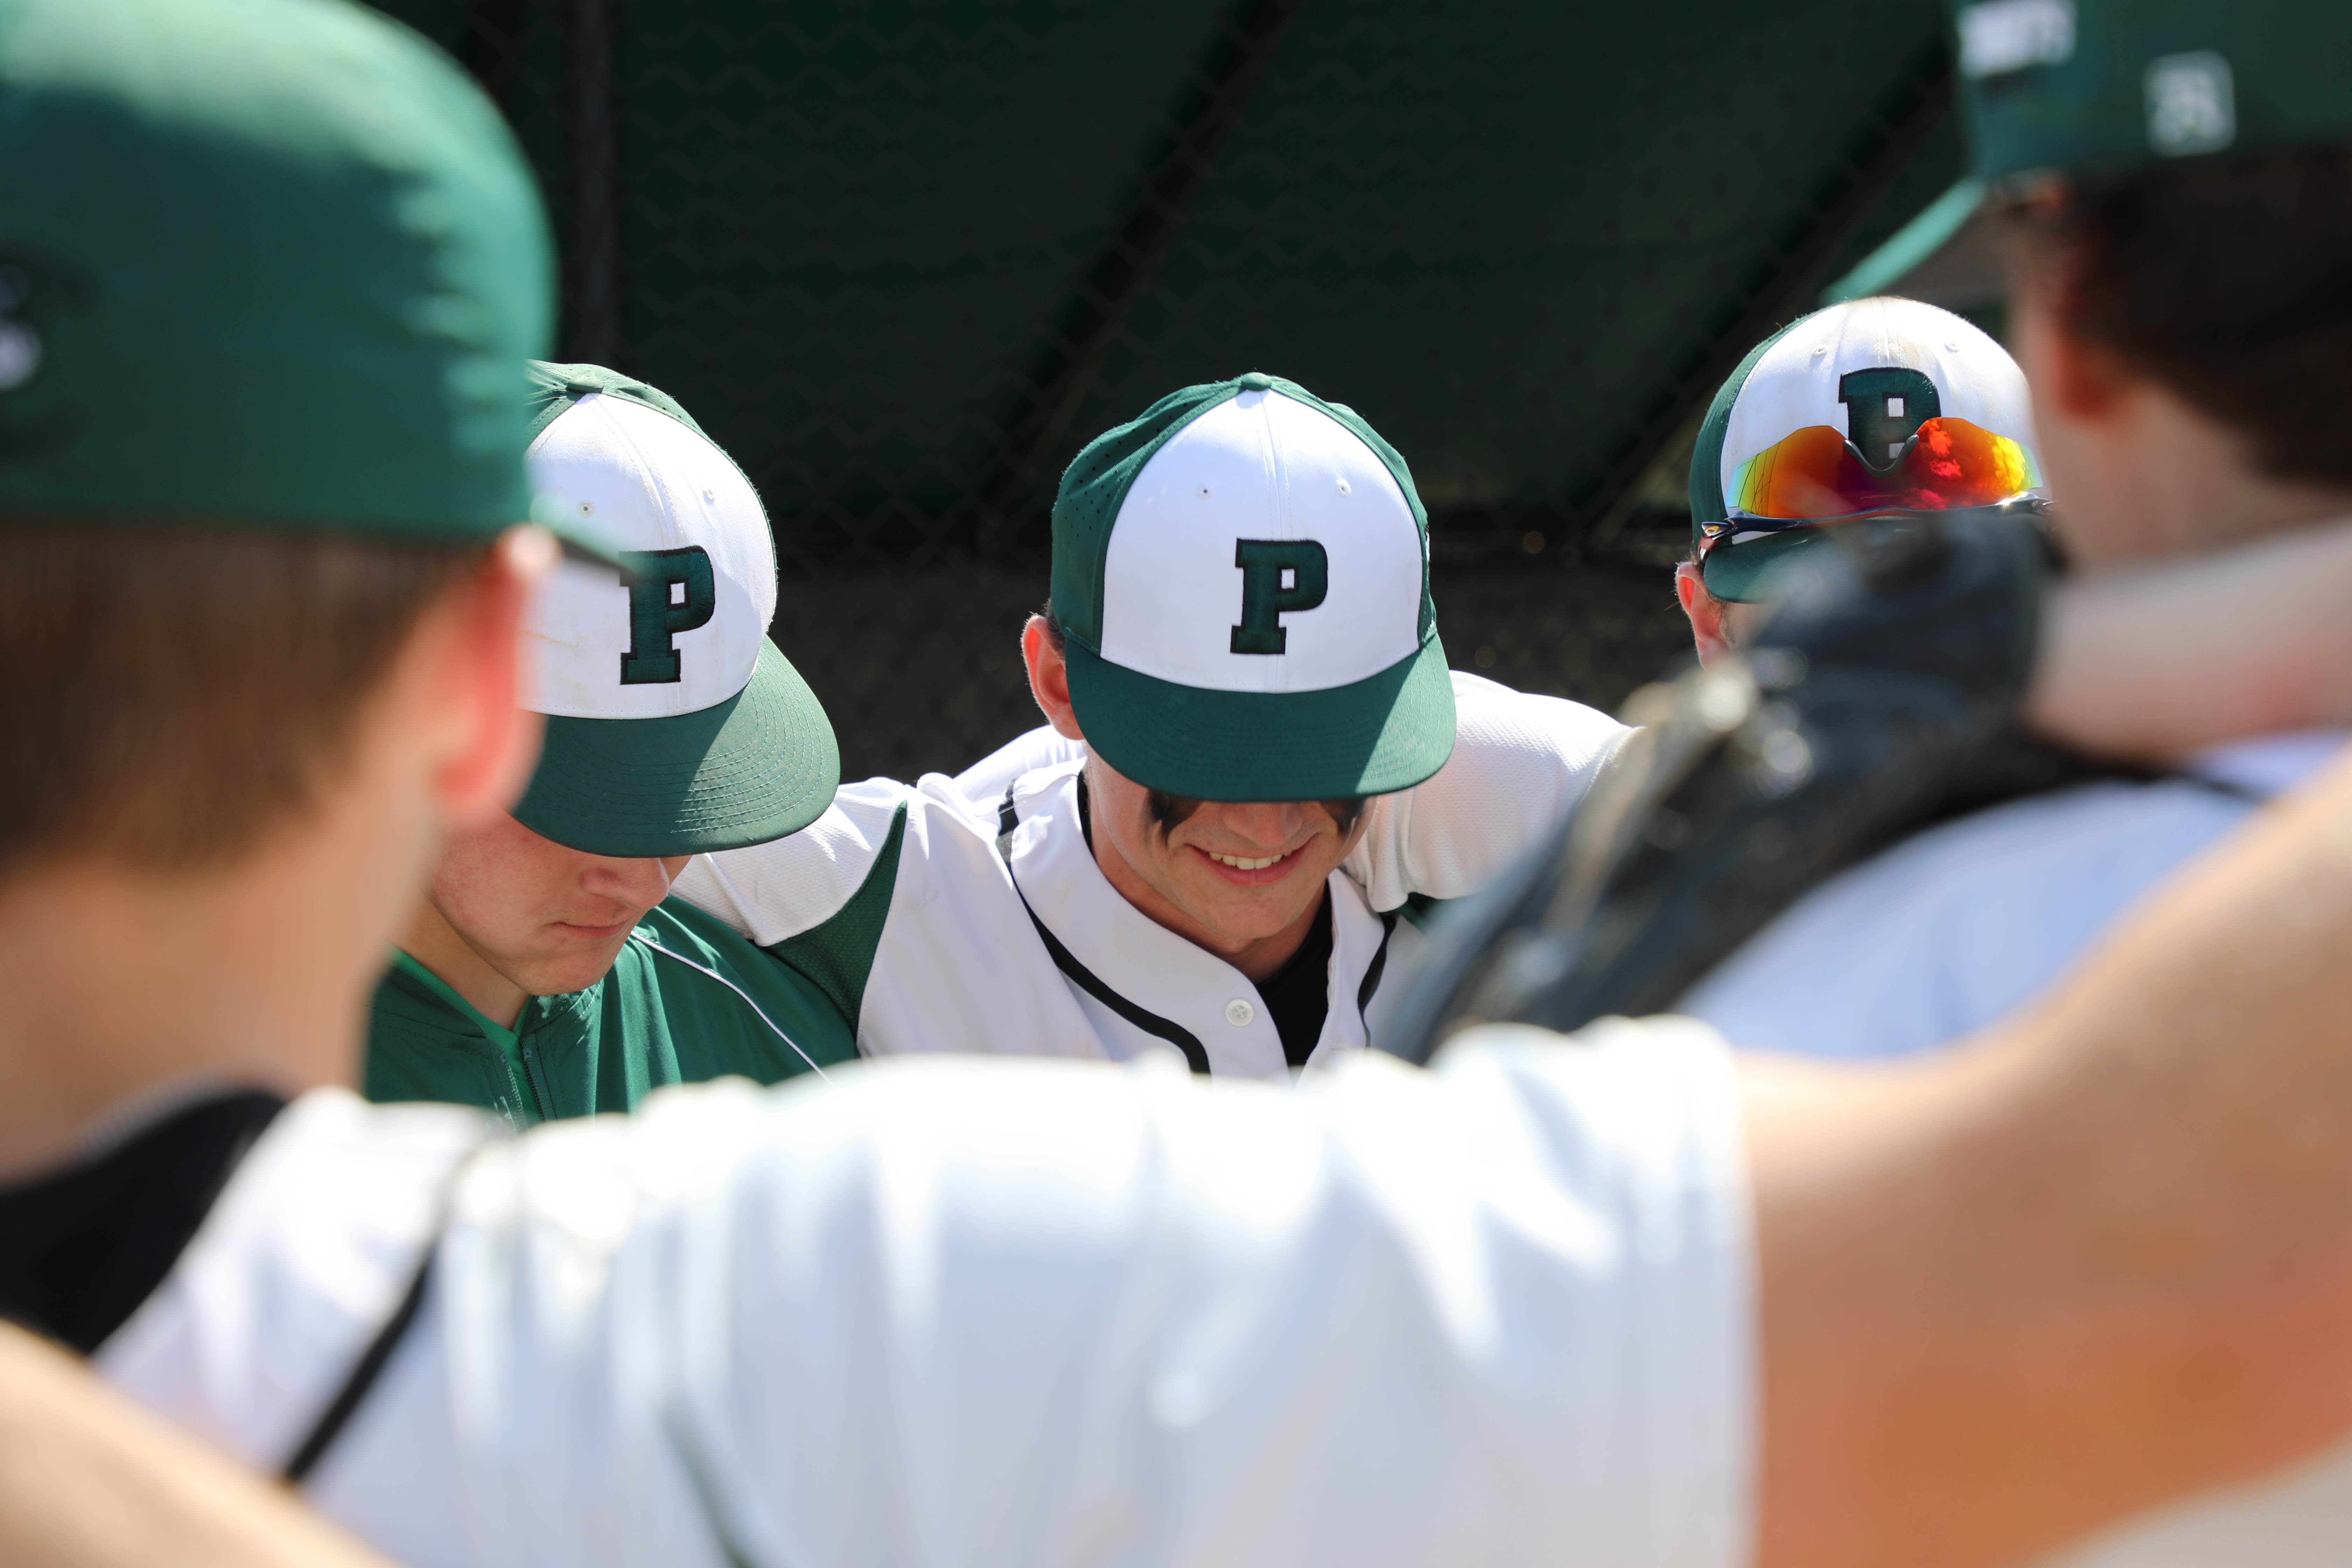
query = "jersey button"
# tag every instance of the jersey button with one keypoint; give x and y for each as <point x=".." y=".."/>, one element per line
<point x="1240" y="1014"/>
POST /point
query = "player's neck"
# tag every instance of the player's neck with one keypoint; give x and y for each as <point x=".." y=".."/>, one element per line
<point x="118" y="984"/>
<point x="2156" y="478"/>
<point x="432" y="941"/>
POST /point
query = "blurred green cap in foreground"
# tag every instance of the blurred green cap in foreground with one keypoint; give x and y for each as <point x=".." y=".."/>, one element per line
<point x="269" y="264"/>
<point x="2064" y="85"/>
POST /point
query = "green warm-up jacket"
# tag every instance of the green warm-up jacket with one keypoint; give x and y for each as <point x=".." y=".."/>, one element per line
<point x="683" y="1002"/>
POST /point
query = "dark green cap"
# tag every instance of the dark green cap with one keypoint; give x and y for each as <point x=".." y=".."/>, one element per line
<point x="263" y="263"/>
<point x="1242" y="576"/>
<point x="2058" y="85"/>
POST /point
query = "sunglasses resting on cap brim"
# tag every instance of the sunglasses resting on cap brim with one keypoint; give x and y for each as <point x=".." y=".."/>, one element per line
<point x="1781" y="497"/>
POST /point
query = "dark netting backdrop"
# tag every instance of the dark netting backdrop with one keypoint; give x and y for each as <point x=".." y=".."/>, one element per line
<point x="903" y="259"/>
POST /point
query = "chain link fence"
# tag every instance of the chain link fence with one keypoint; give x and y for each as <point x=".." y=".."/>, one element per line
<point x="903" y="259"/>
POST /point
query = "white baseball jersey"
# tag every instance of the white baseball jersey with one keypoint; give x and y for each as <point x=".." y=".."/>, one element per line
<point x="973" y="1313"/>
<point x="1957" y="928"/>
<point x="1960" y="926"/>
<point x="903" y="901"/>
<point x="1041" y="747"/>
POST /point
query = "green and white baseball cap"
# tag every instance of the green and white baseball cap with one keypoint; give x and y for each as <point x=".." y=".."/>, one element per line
<point x="265" y="264"/>
<point x="1242" y="576"/>
<point x="2062" y="85"/>
<point x="674" y="726"/>
<point x="1866" y="409"/>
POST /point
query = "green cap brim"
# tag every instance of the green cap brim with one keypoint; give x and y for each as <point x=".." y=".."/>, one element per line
<point x="1754" y="569"/>
<point x="759" y="765"/>
<point x="1386" y="732"/>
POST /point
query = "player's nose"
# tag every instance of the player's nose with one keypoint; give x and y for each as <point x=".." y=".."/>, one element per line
<point x="638" y="883"/>
<point x="1266" y="824"/>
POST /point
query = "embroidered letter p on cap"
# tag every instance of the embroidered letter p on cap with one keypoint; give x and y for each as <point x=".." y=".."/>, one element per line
<point x="1242" y="577"/>
<point x="674" y="725"/>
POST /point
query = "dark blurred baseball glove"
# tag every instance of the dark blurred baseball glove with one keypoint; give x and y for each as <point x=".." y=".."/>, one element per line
<point x="1883" y="694"/>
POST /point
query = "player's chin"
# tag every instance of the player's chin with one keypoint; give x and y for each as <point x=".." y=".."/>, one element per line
<point x="584" y="934"/>
<point x="1252" y="914"/>
<point x="576" y="960"/>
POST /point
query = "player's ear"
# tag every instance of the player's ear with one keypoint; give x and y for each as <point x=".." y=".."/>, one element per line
<point x="1707" y="615"/>
<point x="1049" y="679"/>
<point x="468" y="651"/>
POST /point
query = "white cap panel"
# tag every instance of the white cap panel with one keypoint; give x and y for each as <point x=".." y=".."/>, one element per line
<point x="1261" y="466"/>
<point x="647" y="483"/>
<point x="1795" y="384"/>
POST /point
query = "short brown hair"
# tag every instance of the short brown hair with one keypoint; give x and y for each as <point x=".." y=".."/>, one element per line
<point x="167" y="697"/>
<point x="2223" y="279"/>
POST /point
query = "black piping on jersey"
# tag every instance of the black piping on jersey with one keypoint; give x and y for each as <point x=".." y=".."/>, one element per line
<point x="650" y="945"/>
<point x="2024" y="769"/>
<point x="363" y="1374"/>
<point x="1372" y="973"/>
<point x="706" y="1490"/>
<point x="1196" y="1055"/>
<point x="2229" y="787"/>
<point x="366" y="1371"/>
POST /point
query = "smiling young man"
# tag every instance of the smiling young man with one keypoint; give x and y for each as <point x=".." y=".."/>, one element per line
<point x="1225" y="876"/>
<point x="547" y="972"/>
<point x="1264" y="771"/>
